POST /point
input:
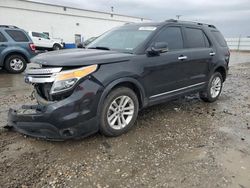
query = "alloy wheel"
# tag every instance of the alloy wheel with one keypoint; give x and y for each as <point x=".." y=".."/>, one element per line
<point x="16" y="64"/>
<point x="120" y="112"/>
<point x="215" y="87"/>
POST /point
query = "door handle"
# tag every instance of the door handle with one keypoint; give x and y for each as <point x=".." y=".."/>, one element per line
<point x="3" y="45"/>
<point x="39" y="39"/>
<point x="212" y="53"/>
<point x="182" y="57"/>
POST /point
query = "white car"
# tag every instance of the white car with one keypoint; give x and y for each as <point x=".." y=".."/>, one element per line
<point x="44" y="42"/>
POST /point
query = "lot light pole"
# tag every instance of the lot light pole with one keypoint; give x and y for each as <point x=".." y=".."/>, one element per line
<point x="178" y="16"/>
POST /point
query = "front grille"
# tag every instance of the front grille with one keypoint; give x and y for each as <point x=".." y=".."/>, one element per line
<point x="41" y="75"/>
<point x="42" y="71"/>
<point x="42" y="79"/>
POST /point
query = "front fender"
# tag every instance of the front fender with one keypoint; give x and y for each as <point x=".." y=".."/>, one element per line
<point x="111" y="85"/>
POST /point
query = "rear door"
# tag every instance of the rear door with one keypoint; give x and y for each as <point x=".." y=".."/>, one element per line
<point x="200" y="54"/>
<point x="3" y="43"/>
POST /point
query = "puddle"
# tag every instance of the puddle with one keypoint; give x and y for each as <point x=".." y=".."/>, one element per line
<point x="10" y="80"/>
<point x="237" y="133"/>
<point x="193" y="155"/>
<point x="236" y="163"/>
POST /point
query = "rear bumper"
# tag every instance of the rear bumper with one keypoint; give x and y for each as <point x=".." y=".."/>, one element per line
<point x="73" y="117"/>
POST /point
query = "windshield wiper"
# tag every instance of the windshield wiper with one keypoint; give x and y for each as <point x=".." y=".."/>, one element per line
<point x="99" y="48"/>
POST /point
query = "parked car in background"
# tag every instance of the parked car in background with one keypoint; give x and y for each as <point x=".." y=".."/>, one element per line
<point x="102" y="88"/>
<point x="16" y="49"/>
<point x="86" y="42"/>
<point x="44" y="42"/>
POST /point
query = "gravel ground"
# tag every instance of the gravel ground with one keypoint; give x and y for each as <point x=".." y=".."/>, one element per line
<point x="182" y="143"/>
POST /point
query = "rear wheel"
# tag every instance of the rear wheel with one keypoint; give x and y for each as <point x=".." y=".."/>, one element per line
<point x="119" y="112"/>
<point x="15" y="64"/>
<point x="57" y="47"/>
<point x="213" y="89"/>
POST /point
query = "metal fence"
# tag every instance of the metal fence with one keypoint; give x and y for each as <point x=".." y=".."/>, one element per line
<point x="240" y="44"/>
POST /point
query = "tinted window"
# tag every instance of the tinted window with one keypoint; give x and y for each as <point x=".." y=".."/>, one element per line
<point x="17" y="36"/>
<point x="2" y="38"/>
<point x="124" y="39"/>
<point x="35" y="34"/>
<point x="207" y="43"/>
<point x="220" y="39"/>
<point x="172" y="36"/>
<point x="196" y="38"/>
<point x="44" y="36"/>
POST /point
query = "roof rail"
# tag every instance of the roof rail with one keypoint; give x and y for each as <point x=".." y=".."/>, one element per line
<point x="171" y="20"/>
<point x="212" y="26"/>
<point x="9" y="26"/>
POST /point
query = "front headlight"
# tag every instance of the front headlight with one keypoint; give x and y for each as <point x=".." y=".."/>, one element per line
<point x="67" y="79"/>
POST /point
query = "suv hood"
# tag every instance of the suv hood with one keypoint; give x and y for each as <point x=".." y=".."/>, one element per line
<point x="80" y="57"/>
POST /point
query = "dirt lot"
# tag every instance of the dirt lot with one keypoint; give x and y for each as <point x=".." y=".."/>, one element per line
<point x="183" y="143"/>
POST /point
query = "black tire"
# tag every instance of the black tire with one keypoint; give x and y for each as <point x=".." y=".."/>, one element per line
<point x="57" y="47"/>
<point x="206" y="95"/>
<point x="105" y="128"/>
<point x="10" y="68"/>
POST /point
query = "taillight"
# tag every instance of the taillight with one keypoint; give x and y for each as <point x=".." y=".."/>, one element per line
<point x="32" y="47"/>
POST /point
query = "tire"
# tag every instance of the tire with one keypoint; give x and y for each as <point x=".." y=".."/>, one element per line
<point x="129" y="115"/>
<point x="213" y="90"/>
<point x="57" y="47"/>
<point x="15" y="64"/>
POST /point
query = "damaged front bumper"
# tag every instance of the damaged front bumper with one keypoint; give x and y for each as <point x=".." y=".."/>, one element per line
<point x="72" y="117"/>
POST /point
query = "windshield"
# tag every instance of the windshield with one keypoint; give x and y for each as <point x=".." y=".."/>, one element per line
<point x="124" y="39"/>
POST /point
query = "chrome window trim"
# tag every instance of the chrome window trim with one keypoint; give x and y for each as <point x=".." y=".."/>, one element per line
<point x="172" y="91"/>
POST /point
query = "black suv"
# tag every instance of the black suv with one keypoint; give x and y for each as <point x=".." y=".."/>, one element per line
<point x="102" y="88"/>
<point x="16" y="49"/>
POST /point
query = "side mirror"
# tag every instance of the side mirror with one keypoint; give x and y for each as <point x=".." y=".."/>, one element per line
<point x="157" y="48"/>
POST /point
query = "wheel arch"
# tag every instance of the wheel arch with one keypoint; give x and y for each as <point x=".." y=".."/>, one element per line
<point x="56" y="44"/>
<point x="222" y="71"/>
<point x="15" y="53"/>
<point x="125" y="82"/>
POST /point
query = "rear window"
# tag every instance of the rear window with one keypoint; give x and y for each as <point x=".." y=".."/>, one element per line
<point x="196" y="38"/>
<point x="17" y="36"/>
<point x="2" y="38"/>
<point x="219" y="38"/>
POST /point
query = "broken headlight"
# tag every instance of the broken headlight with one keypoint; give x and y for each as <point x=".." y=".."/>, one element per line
<point x="67" y="79"/>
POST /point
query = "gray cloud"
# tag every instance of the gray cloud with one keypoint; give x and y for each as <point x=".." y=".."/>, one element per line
<point x="231" y="17"/>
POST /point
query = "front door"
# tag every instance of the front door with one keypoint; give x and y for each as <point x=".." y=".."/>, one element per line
<point x="165" y="72"/>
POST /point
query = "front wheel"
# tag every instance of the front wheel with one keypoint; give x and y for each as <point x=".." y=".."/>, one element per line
<point x="15" y="64"/>
<point x="213" y="89"/>
<point x="119" y="112"/>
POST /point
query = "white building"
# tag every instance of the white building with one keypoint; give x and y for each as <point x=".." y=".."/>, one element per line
<point x="67" y="23"/>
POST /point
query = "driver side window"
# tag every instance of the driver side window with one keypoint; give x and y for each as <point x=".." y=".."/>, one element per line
<point x="172" y="36"/>
<point x="44" y="36"/>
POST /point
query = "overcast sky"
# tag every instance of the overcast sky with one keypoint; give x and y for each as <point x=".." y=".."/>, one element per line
<point x="232" y="17"/>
